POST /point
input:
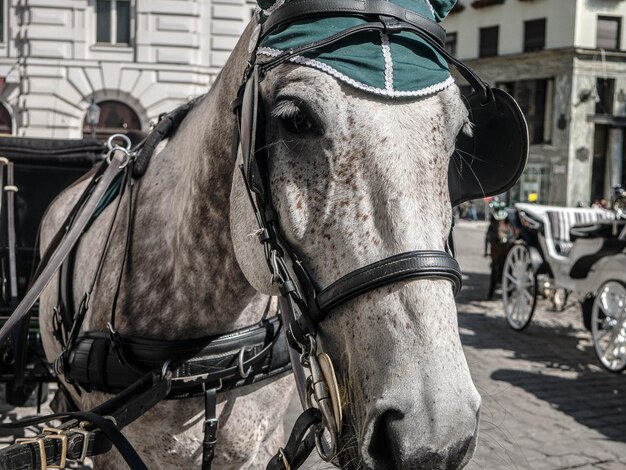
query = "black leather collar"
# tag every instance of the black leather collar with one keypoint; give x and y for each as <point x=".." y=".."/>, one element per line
<point x="100" y="361"/>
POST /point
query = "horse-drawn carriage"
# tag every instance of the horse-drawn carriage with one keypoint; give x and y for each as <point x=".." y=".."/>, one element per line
<point x="571" y="251"/>
<point x="32" y="173"/>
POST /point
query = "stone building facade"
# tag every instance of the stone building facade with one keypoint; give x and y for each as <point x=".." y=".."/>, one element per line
<point x="138" y="57"/>
<point x="564" y="60"/>
<point x="565" y="63"/>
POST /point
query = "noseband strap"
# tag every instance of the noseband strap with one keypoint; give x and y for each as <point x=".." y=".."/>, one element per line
<point x="410" y="266"/>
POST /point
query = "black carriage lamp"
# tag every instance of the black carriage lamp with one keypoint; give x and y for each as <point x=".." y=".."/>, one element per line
<point x="93" y="116"/>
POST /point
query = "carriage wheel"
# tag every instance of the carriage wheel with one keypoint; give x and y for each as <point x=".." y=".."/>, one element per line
<point x="608" y="325"/>
<point x="519" y="288"/>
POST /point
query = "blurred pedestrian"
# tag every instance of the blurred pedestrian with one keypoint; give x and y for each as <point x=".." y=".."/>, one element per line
<point x="471" y="211"/>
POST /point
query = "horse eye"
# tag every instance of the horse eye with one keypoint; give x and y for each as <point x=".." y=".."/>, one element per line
<point x="298" y="123"/>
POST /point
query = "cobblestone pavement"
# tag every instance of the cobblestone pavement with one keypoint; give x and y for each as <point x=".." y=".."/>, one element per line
<point x="547" y="404"/>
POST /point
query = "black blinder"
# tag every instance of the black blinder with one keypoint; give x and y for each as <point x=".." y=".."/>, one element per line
<point x="492" y="160"/>
<point x="248" y="132"/>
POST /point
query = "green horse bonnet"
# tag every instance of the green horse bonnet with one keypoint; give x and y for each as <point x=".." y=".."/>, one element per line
<point x="401" y="65"/>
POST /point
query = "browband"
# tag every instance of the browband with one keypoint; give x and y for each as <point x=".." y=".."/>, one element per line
<point x="297" y="10"/>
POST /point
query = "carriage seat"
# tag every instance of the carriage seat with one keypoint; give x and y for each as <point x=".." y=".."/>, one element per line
<point x="604" y="229"/>
<point x="562" y="220"/>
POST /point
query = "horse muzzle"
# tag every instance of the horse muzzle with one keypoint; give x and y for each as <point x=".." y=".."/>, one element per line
<point x="400" y="436"/>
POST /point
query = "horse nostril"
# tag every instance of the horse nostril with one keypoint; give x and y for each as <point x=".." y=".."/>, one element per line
<point x="382" y="446"/>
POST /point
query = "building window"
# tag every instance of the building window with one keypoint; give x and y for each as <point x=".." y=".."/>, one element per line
<point x="451" y="43"/>
<point x="534" y="35"/>
<point x="115" y="118"/>
<point x="605" y="91"/>
<point x="609" y="30"/>
<point x="113" y="21"/>
<point x="489" y="41"/>
<point x="535" y="98"/>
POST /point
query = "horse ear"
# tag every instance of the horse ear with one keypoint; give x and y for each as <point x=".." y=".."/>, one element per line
<point x="441" y="8"/>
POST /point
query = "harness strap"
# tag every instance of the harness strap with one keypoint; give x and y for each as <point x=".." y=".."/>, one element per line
<point x="62" y="251"/>
<point x="260" y="351"/>
<point x="19" y="336"/>
<point x="11" y="189"/>
<point x="298" y="10"/>
<point x="88" y="433"/>
<point x="165" y="126"/>
<point x="84" y="306"/>
<point x="413" y="265"/>
<point x="300" y="444"/>
<point x="210" y="428"/>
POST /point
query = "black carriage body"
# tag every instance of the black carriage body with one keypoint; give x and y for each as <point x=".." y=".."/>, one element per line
<point x="42" y="168"/>
<point x="529" y="228"/>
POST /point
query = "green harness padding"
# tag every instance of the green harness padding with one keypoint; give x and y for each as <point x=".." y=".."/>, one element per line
<point x="398" y="65"/>
<point x="109" y="196"/>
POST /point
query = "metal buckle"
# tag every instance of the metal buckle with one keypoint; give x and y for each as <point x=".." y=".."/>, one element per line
<point x="86" y="435"/>
<point x="42" y="449"/>
<point x="53" y="433"/>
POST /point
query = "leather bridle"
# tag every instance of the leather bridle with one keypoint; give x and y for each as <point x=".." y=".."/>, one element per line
<point x="304" y="304"/>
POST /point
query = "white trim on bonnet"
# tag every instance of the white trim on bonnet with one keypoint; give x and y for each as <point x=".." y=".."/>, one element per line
<point x="384" y="43"/>
<point x="361" y="86"/>
<point x="276" y="4"/>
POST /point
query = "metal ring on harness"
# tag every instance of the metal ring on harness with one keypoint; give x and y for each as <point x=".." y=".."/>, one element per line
<point x="165" y="368"/>
<point x="243" y="373"/>
<point x="127" y="156"/>
<point x="111" y="142"/>
<point x="86" y="434"/>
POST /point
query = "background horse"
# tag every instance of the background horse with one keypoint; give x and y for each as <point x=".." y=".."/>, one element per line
<point x="355" y="178"/>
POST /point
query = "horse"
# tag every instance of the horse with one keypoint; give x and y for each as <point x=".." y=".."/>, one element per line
<point x="355" y="178"/>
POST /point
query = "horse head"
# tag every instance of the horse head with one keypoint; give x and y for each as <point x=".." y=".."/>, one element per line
<point x="356" y="178"/>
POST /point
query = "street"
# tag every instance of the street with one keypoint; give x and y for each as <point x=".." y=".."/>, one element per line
<point x="547" y="403"/>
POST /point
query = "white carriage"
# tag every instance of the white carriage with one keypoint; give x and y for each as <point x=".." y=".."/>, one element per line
<point x="577" y="252"/>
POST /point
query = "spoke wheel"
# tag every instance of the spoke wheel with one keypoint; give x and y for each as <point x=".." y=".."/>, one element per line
<point x="608" y="325"/>
<point x="519" y="288"/>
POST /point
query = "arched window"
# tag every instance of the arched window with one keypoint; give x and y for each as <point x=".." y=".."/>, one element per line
<point x="6" y="121"/>
<point x="115" y="118"/>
